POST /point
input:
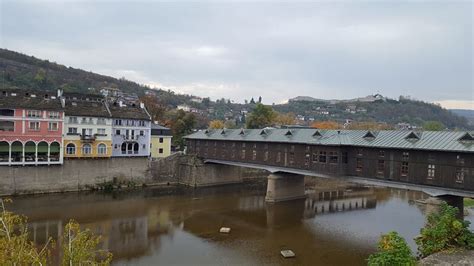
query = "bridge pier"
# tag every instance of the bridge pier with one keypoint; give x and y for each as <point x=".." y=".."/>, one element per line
<point x="453" y="201"/>
<point x="284" y="186"/>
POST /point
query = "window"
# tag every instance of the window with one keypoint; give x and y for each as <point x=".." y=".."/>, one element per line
<point x="101" y="121"/>
<point x="322" y="157"/>
<point x="431" y="171"/>
<point x="7" y="126"/>
<point x="243" y="154"/>
<point x="7" y="112"/>
<point x="84" y="120"/>
<point x="278" y="158"/>
<point x="135" y="148"/>
<point x="380" y="167"/>
<point x="307" y="159"/>
<point x="405" y="156"/>
<point x="53" y="126"/>
<point x="72" y="120"/>
<point x="161" y="140"/>
<point x="345" y="158"/>
<point x="141" y="123"/>
<point x="265" y="156"/>
<point x="254" y="155"/>
<point x="118" y="122"/>
<point x="381" y="153"/>
<point x="333" y="157"/>
<point x="292" y="148"/>
<point x="33" y="113"/>
<point x="291" y="158"/>
<point x="117" y="132"/>
<point x="404" y="170"/>
<point x="70" y="149"/>
<point x="124" y="148"/>
<point x="359" y="164"/>
<point x="460" y="173"/>
<point x="72" y="130"/>
<point x="54" y="115"/>
<point x="87" y="131"/>
<point x="459" y="160"/>
<point x="315" y="157"/>
<point x="101" y="131"/>
<point x="86" y="149"/>
<point x="142" y="133"/>
<point x="160" y="150"/>
<point x="102" y="149"/>
<point x="34" y="126"/>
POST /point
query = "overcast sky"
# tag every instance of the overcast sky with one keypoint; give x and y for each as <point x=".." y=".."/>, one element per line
<point x="276" y="50"/>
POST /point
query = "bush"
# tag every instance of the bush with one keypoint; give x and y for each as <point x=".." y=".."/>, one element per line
<point x="392" y="250"/>
<point x="443" y="232"/>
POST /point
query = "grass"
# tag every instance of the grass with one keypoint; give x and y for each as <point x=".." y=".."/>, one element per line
<point x="468" y="202"/>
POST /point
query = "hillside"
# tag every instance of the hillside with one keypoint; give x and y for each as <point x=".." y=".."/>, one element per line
<point x="466" y="113"/>
<point x="23" y="71"/>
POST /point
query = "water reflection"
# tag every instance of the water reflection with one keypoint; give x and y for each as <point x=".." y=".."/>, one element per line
<point x="149" y="227"/>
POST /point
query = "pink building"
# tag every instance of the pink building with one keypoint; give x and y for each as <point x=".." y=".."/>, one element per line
<point x="31" y="125"/>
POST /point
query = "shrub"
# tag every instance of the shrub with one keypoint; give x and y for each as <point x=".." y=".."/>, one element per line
<point x="443" y="232"/>
<point x="392" y="250"/>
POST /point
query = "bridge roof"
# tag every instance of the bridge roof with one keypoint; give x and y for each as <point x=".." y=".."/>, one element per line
<point x="458" y="141"/>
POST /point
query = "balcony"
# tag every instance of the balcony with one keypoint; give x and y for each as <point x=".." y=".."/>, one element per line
<point x="130" y="137"/>
<point x="88" y="138"/>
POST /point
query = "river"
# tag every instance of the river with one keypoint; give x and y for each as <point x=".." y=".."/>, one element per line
<point x="157" y="226"/>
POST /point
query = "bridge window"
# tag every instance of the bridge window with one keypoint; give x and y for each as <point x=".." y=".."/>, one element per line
<point x="459" y="160"/>
<point x="380" y="167"/>
<point x="333" y="157"/>
<point x="278" y="157"/>
<point x="344" y="157"/>
<point x="322" y="157"/>
<point x="405" y="156"/>
<point x="307" y="159"/>
<point x="254" y="155"/>
<point x="265" y="156"/>
<point x="292" y="148"/>
<point x="291" y="158"/>
<point x="359" y="164"/>
<point x="431" y="171"/>
<point x="243" y="155"/>
<point x="315" y="157"/>
<point x="255" y="145"/>
<point x="460" y="173"/>
<point x="308" y="148"/>
<point x="404" y="169"/>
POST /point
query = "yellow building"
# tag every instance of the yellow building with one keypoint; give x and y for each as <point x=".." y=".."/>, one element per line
<point x="87" y="127"/>
<point x="160" y="141"/>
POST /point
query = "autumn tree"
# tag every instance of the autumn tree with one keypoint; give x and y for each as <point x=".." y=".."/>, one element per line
<point x="181" y="124"/>
<point x="261" y="116"/>
<point x="216" y="124"/>
<point x="230" y="124"/>
<point x="326" y="125"/>
<point x="154" y="107"/>
<point x="285" y="119"/>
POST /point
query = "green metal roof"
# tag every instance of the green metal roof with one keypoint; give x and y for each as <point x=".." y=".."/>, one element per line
<point x="458" y="141"/>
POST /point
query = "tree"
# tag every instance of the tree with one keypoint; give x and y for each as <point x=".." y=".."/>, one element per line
<point x="259" y="99"/>
<point x="443" y="231"/>
<point x="285" y="119"/>
<point x="230" y="124"/>
<point x="326" y="125"/>
<point x="392" y="250"/>
<point x="433" y="126"/>
<point x="80" y="247"/>
<point x="181" y="124"/>
<point x="216" y="124"/>
<point x="261" y="116"/>
<point x="154" y="107"/>
<point x="252" y="101"/>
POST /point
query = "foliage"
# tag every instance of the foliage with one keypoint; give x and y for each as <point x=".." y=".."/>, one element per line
<point x="15" y="248"/>
<point x="392" y="250"/>
<point x="262" y="116"/>
<point x="326" y="125"/>
<point x="433" y="126"/>
<point x="181" y="124"/>
<point x="285" y="119"/>
<point x="80" y="247"/>
<point x="156" y="109"/>
<point x="443" y="231"/>
<point x="230" y="124"/>
<point x="216" y="124"/>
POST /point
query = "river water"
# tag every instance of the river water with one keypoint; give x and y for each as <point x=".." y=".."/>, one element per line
<point x="181" y="227"/>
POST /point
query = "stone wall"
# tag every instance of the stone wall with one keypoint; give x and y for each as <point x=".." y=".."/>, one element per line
<point x="190" y="170"/>
<point x="72" y="175"/>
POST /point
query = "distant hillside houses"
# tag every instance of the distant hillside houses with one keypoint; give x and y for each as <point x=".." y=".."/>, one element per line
<point x="44" y="127"/>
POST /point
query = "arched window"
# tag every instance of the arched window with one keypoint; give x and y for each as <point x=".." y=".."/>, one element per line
<point x="124" y="148"/>
<point x="130" y="148"/>
<point x="42" y="151"/>
<point x="86" y="149"/>
<point x="17" y="151"/>
<point x="30" y="151"/>
<point x="4" y="151"/>
<point x="71" y="149"/>
<point x="54" y="151"/>
<point x="102" y="149"/>
<point x="135" y="148"/>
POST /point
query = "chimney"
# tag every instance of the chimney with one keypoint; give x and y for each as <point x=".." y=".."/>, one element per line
<point x="60" y="93"/>
<point x="120" y="103"/>
<point x="142" y="105"/>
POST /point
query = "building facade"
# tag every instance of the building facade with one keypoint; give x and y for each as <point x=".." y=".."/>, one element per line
<point x="131" y="132"/>
<point x="160" y="141"/>
<point x="444" y="158"/>
<point x="31" y="124"/>
<point x="87" y="127"/>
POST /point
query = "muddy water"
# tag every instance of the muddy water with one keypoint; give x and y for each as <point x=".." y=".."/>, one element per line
<point x="179" y="227"/>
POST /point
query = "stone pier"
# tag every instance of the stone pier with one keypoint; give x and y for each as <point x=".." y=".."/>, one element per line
<point x="284" y="186"/>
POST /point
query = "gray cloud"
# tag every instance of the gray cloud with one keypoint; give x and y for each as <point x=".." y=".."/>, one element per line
<point x="276" y="50"/>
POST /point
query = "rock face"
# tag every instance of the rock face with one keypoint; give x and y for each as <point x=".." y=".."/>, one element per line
<point x="465" y="257"/>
